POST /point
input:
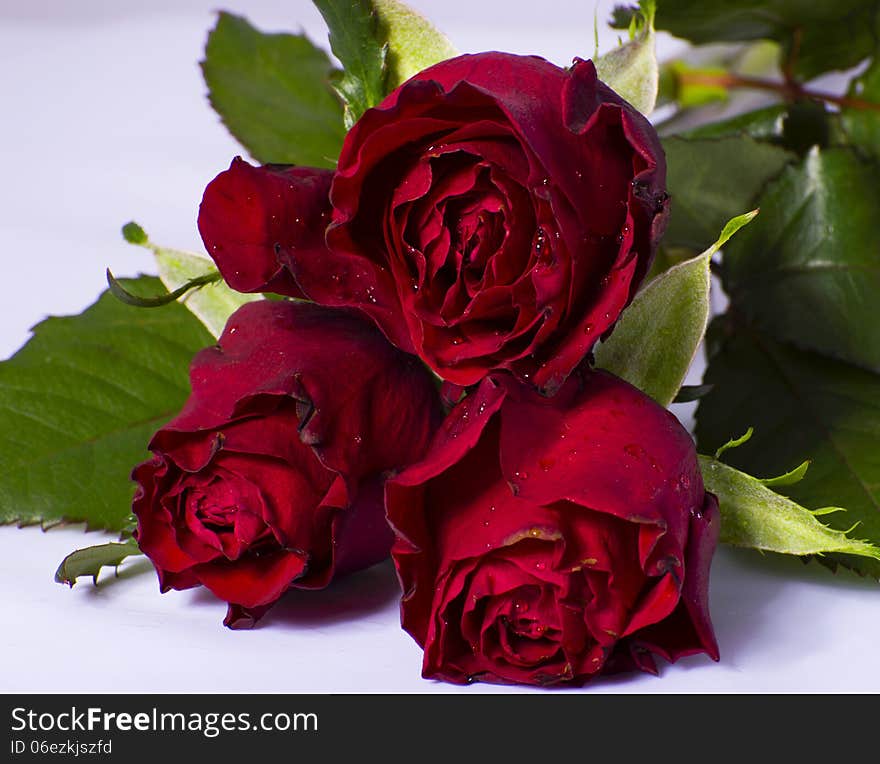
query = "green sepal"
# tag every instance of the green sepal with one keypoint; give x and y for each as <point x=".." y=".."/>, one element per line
<point x="90" y="560"/>
<point x="631" y="68"/>
<point x="754" y="516"/>
<point x="656" y="339"/>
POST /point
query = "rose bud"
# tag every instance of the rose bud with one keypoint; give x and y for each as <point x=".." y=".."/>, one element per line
<point x="494" y="212"/>
<point x="548" y="540"/>
<point x="271" y="475"/>
<point x="251" y="216"/>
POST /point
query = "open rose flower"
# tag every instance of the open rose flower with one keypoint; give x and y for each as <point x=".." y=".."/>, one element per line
<point x="494" y="212"/>
<point x="272" y="474"/>
<point x="548" y="540"/>
<point x="252" y="216"/>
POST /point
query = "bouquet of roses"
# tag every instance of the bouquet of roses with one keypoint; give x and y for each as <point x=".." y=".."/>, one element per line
<point x="446" y="310"/>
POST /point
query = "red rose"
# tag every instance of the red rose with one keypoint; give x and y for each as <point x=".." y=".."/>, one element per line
<point x="271" y="476"/>
<point x="494" y="212"/>
<point x="547" y="540"/>
<point x="252" y="216"/>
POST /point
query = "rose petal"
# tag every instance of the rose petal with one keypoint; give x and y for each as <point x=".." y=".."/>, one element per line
<point x="603" y="444"/>
<point x="592" y="176"/>
<point x="252" y="581"/>
<point x="272" y="474"/>
<point x="250" y="215"/>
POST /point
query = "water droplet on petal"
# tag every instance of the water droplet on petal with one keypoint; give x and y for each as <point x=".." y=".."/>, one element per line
<point x="546" y="463"/>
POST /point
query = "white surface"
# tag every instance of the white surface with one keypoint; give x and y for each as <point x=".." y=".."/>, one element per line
<point x="781" y="626"/>
<point x="104" y="120"/>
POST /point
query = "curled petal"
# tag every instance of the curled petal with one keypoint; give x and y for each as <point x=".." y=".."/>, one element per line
<point x="252" y="217"/>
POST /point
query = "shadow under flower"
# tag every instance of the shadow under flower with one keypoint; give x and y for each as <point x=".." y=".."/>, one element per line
<point x="354" y="596"/>
<point x="751" y="597"/>
<point x="749" y="592"/>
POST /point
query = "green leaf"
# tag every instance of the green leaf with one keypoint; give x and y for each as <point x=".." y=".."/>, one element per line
<point x="273" y="92"/>
<point x="808" y="271"/>
<point x="631" y="68"/>
<point x="80" y="401"/>
<point x="212" y="301"/>
<point x="689" y="393"/>
<point x="863" y="125"/>
<point x="837" y="42"/>
<point x="89" y="561"/>
<point x="754" y="516"/>
<point x="803" y="406"/>
<point x="355" y="41"/>
<point x="656" y="339"/>
<point x="826" y="35"/>
<point x="797" y="127"/>
<point x="413" y="42"/>
<point x="765" y="124"/>
<point x="657" y="336"/>
<point x="712" y="179"/>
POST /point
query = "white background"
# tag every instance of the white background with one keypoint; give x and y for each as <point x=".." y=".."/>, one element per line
<point x="103" y="120"/>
